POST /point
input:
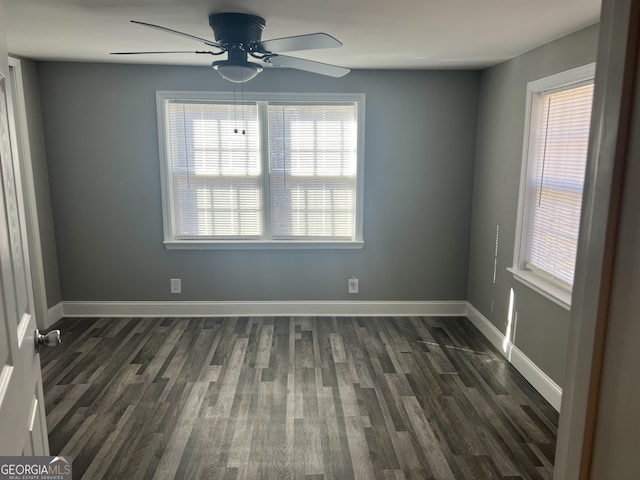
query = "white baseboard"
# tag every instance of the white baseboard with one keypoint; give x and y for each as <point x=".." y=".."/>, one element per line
<point x="240" y="309"/>
<point x="488" y="329"/>
<point x="55" y="313"/>
<point x="550" y="390"/>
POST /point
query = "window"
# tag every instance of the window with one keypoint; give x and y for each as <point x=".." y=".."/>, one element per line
<point x="553" y="171"/>
<point x="271" y="171"/>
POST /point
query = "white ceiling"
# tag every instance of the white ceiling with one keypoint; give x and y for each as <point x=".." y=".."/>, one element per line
<point x="388" y="34"/>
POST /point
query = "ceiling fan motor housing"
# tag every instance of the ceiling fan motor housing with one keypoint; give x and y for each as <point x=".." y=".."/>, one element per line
<point x="237" y="28"/>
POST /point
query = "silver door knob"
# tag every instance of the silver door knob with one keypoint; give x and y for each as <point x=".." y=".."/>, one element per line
<point x="51" y="339"/>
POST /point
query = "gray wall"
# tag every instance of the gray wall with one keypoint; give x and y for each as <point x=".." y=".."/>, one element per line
<point x="542" y="326"/>
<point x="102" y="148"/>
<point x="41" y="182"/>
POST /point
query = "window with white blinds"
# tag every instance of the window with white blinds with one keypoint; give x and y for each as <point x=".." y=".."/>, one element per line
<point x="215" y="173"/>
<point x="554" y="167"/>
<point x="561" y="157"/>
<point x="270" y="169"/>
<point x="312" y="167"/>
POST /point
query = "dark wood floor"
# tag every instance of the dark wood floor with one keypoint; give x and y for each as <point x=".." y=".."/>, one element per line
<point x="291" y="398"/>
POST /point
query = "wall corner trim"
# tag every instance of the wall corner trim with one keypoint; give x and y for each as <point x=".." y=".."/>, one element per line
<point x="266" y="308"/>
<point x="550" y="390"/>
<point x="54" y="314"/>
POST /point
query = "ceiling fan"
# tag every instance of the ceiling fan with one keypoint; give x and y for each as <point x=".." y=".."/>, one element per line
<point x="239" y="35"/>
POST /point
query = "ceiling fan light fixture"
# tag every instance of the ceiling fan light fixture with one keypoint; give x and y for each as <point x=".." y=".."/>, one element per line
<point x="237" y="72"/>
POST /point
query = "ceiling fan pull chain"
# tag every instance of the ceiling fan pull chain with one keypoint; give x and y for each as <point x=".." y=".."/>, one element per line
<point x="235" y="111"/>
<point x="242" y="93"/>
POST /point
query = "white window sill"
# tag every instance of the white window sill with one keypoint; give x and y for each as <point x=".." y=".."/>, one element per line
<point x="261" y="245"/>
<point x="543" y="286"/>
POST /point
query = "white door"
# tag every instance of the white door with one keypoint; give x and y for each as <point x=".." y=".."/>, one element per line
<point x="22" y="419"/>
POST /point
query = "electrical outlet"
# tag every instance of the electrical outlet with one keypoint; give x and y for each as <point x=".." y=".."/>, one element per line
<point x="353" y="285"/>
<point x="176" y="285"/>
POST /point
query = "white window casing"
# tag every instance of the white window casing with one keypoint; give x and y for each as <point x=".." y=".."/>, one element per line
<point x="558" y="115"/>
<point x="261" y="171"/>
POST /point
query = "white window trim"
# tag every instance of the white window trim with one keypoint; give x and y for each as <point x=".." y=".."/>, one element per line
<point x="555" y="291"/>
<point x="171" y="243"/>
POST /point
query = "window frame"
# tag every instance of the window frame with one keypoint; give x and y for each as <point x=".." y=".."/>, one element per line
<point x="171" y="240"/>
<point x="540" y="281"/>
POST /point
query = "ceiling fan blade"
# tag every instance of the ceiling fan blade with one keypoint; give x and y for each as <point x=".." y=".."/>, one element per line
<point x="301" y="42"/>
<point x="285" y="61"/>
<point x="173" y="51"/>
<point x="176" y="32"/>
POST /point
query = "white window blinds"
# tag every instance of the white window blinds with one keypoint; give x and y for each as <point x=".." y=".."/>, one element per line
<point x="312" y="167"/>
<point x="215" y="172"/>
<point x="560" y="156"/>
<point x="272" y="170"/>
